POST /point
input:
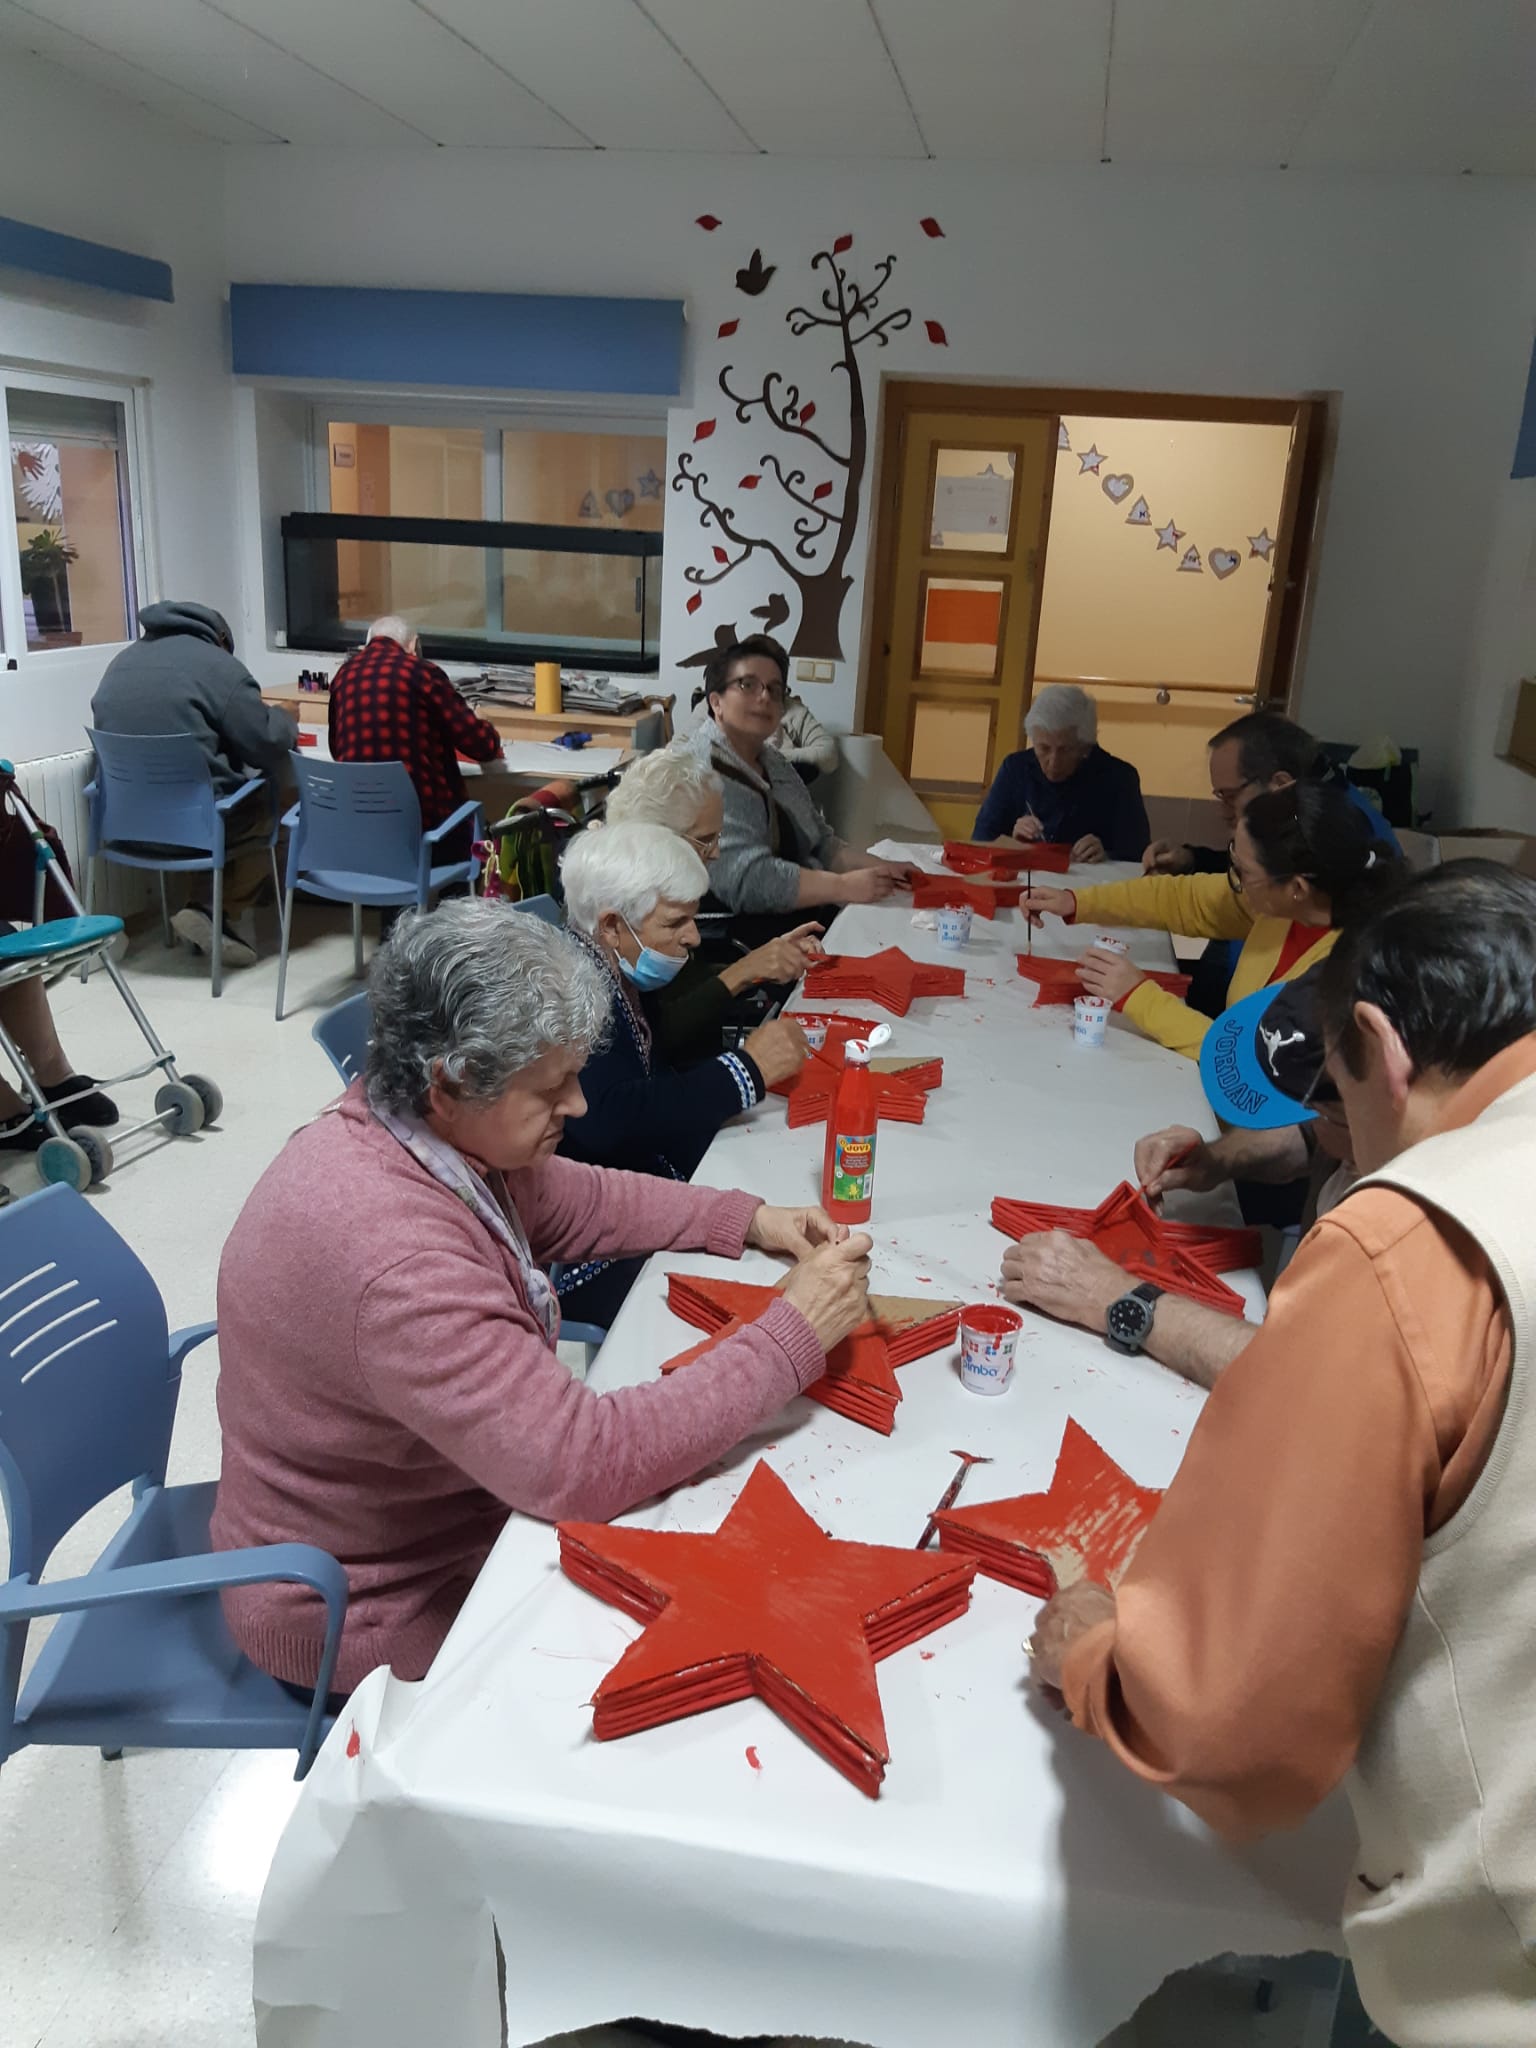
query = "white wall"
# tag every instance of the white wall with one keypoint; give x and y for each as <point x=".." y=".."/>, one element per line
<point x="1503" y="650"/>
<point x="1411" y="298"/>
<point x="88" y="164"/>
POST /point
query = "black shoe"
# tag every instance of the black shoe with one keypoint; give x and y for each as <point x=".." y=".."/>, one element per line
<point x="25" y="1135"/>
<point x="95" y="1108"/>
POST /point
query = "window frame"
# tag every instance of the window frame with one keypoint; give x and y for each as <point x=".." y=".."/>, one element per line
<point x="133" y="497"/>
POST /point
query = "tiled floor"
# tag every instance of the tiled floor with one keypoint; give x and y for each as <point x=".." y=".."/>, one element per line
<point x="128" y="1891"/>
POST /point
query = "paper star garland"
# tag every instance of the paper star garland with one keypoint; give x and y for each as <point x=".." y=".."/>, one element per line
<point x="1261" y="545"/>
<point x="1089" y="461"/>
<point x="860" y="1379"/>
<point x="1087" y="1525"/>
<point x="1140" y="514"/>
<point x="1036" y="856"/>
<point x="769" y="1606"/>
<point x="1063" y="442"/>
<point x="1190" y="565"/>
<point x="650" y="484"/>
<point x="1061" y="981"/>
<point x="1185" y="1258"/>
<point x="1169" y="536"/>
<point x="891" y="979"/>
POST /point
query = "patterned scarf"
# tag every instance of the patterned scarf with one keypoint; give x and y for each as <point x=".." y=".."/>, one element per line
<point x="454" y="1172"/>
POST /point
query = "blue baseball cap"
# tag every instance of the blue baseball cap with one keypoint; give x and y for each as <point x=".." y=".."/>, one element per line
<point x="1262" y="1061"/>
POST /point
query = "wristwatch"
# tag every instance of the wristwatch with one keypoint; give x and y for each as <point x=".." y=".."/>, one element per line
<point x="1128" y="1324"/>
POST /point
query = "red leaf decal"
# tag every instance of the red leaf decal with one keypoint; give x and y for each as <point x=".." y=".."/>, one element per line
<point x="353" y="1745"/>
<point x="727" y="327"/>
<point x="843" y="242"/>
<point x="709" y="222"/>
<point x="807" y="412"/>
<point x="749" y="483"/>
<point x="705" y="428"/>
<point x="931" y="228"/>
<point x="822" y="491"/>
<point x="721" y="555"/>
<point x="695" y="601"/>
<point x="936" y="334"/>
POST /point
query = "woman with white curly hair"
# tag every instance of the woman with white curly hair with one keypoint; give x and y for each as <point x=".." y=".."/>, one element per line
<point x="1064" y="786"/>
<point x="389" y="1387"/>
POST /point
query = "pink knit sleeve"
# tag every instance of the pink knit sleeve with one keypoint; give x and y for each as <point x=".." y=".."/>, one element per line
<point x="447" y="1349"/>
<point x="571" y="1211"/>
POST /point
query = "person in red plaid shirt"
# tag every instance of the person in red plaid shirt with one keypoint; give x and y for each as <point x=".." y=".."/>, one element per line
<point x="387" y="704"/>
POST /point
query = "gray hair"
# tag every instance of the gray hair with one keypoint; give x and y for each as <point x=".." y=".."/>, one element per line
<point x="470" y="994"/>
<point x="668" y="787"/>
<point x="630" y="869"/>
<point x="1063" y="707"/>
<point x="391" y="627"/>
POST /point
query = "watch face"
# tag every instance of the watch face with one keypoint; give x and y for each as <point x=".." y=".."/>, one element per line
<point x="1129" y="1319"/>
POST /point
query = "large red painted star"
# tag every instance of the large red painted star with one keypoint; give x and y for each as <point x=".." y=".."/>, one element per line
<point x="769" y="1605"/>
<point x="860" y="1379"/>
<point x="1036" y="856"/>
<point x="986" y="898"/>
<point x="1183" y="1257"/>
<point x="901" y="1088"/>
<point x="1086" y="1525"/>
<point x="891" y="979"/>
<point x="1061" y="981"/>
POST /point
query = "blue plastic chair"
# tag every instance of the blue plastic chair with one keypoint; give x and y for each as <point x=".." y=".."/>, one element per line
<point x="343" y="1034"/>
<point x="89" y="1379"/>
<point x="159" y="791"/>
<point x="356" y="838"/>
<point x="545" y="908"/>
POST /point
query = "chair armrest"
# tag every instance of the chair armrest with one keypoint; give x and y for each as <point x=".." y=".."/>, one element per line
<point x="238" y="796"/>
<point x="466" y="810"/>
<point x="183" y="1341"/>
<point x="298" y="1564"/>
<point x="290" y="818"/>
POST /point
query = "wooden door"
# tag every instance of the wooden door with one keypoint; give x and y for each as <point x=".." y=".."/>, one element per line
<point x="972" y="507"/>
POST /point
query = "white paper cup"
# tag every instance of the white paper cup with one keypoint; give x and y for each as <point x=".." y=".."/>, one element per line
<point x="1103" y="943"/>
<point x="954" y="924"/>
<point x="989" y="1335"/>
<point x="1090" y="1019"/>
<point x="815" y="1033"/>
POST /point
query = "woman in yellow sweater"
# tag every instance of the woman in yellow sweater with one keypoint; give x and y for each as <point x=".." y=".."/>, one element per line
<point x="1304" y="863"/>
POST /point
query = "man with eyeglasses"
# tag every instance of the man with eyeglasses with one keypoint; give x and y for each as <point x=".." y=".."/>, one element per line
<point x="1340" y="1582"/>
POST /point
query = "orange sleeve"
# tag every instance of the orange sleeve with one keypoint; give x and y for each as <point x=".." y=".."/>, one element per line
<point x="1256" y="1621"/>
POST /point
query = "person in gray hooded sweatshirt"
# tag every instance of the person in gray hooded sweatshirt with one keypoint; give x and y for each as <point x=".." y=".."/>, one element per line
<point x="182" y="676"/>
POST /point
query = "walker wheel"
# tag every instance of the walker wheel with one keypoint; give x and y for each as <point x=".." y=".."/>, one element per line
<point x="96" y="1148"/>
<point x="180" y="1106"/>
<point x="211" y="1093"/>
<point x="63" y="1163"/>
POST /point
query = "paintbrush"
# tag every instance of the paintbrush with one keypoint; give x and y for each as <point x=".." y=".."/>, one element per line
<point x="1168" y="1165"/>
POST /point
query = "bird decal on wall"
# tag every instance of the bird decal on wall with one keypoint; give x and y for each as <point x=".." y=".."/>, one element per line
<point x="756" y="277"/>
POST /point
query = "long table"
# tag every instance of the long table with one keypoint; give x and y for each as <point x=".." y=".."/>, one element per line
<point x="1011" y="1884"/>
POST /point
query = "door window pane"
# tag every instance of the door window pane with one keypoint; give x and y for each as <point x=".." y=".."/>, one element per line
<point x="69" y="494"/>
<point x="972" y="500"/>
<point x="962" y="626"/>
<point x="951" y="743"/>
<point x="554" y="479"/>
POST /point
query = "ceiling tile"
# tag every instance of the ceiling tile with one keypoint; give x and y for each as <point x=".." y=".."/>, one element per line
<point x="138" y="87"/>
<point x="641" y="96"/>
<point x="989" y="78"/>
<point x="206" y="54"/>
<point x="1244" y="32"/>
<point x="803" y="77"/>
<point x="405" y="60"/>
<point x="1231" y="116"/>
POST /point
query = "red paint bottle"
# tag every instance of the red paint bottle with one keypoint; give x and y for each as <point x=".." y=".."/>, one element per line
<point x="848" y="1166"/>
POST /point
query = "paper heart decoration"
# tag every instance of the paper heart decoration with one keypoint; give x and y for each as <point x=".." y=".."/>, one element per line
<point x="1223" y="561"/>
<point x="1190" y="566"/>
<point x="620" y="502"/>
<point x="1140" y="514"/>
<point x="1117" y="488"/>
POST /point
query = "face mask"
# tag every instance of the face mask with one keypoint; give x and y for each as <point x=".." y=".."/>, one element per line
<point x="652" y="970"/>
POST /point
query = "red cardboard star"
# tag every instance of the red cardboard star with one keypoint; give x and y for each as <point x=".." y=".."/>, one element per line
<point x="1182" y="1257"/>
<point x="934" y="892"/>
<point x="901" y="1088"/>
<point x="1061" y="981"/>
<point x="1037" y="856"/>
<point x="769" y="1605"/>
<point x="1086" y="1526"/>
<point x="860" y="1379"/>
<point x="890" y="978"/>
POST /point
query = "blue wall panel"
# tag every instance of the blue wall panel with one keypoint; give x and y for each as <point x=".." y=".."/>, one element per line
<point x="47" y="254"/>
<point x="467" y="340"/>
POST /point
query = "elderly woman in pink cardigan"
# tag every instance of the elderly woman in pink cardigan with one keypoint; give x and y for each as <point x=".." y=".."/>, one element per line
<point x="388" y="1384"/>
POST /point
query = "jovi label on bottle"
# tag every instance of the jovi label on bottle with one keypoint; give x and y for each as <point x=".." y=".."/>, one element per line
<point x="853" y="1169"/>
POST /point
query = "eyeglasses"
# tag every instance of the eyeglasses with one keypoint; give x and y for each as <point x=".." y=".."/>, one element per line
<point x="706" y="845"/>
<point x="753" y="686"/>
<point x="1230" y="796"/>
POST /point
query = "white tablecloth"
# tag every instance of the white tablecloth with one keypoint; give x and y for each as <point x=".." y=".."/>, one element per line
<point x="1011" y="1884"/>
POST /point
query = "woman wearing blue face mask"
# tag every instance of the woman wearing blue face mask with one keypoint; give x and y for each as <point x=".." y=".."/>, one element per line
<point x="630" y="896"/>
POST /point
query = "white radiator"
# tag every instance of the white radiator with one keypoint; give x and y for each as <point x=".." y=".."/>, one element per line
<point x="54" y="787"/>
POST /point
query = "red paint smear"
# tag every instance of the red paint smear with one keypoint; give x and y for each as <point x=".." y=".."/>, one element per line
<point x="710" y="221"/>
<point x="726" y="329"/>
<point x="931" y="228"/>
<point x="695" y="601"/>
<point x="353" y="1745"/>
<point x="749" y="483"/>
<point x="926" y="1655"/>
<point x="822" y="491"/>
<point x="936" y="334"/>
<point x="703" y="430"/>
<point x="753" y="1758"/>
<point x="843" y="242"/>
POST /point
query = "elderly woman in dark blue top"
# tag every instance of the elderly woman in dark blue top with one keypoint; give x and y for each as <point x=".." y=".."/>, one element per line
<point x="1064" y="787"/>
<point x="631" y="892"/>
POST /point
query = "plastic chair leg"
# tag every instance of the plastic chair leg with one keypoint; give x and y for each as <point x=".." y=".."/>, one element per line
<point x="218" y="930"/>
<point x="111" y="1756"/>
<point x="165" y="915"/>
<point x="357" y="941"/>
<point x="282" y="952"/>
<point x="91" y="865"/>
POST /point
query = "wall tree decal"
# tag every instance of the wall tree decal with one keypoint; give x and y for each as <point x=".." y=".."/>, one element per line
<point x="827" y="506"/>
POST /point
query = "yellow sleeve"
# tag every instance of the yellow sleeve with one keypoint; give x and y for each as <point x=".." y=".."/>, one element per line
<point x="1199" y="906"/>
<point x="1163" y="1017"/>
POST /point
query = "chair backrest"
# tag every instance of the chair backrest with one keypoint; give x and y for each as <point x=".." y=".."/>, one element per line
<point x="156" y="788"/>
<point x="544" y="908"/>
<point x="362" y="817"/>
<point x="342" y="1035"/>
<point x="87" y="1393"/>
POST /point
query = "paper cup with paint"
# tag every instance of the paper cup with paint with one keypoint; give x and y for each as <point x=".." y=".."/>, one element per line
<point x="1104" y="943"/>
<point x="989" y="1336"/>
<point x="815" y="1029"/>
<point x="954" y="924"/>
<point x="1090" y="1020"/>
